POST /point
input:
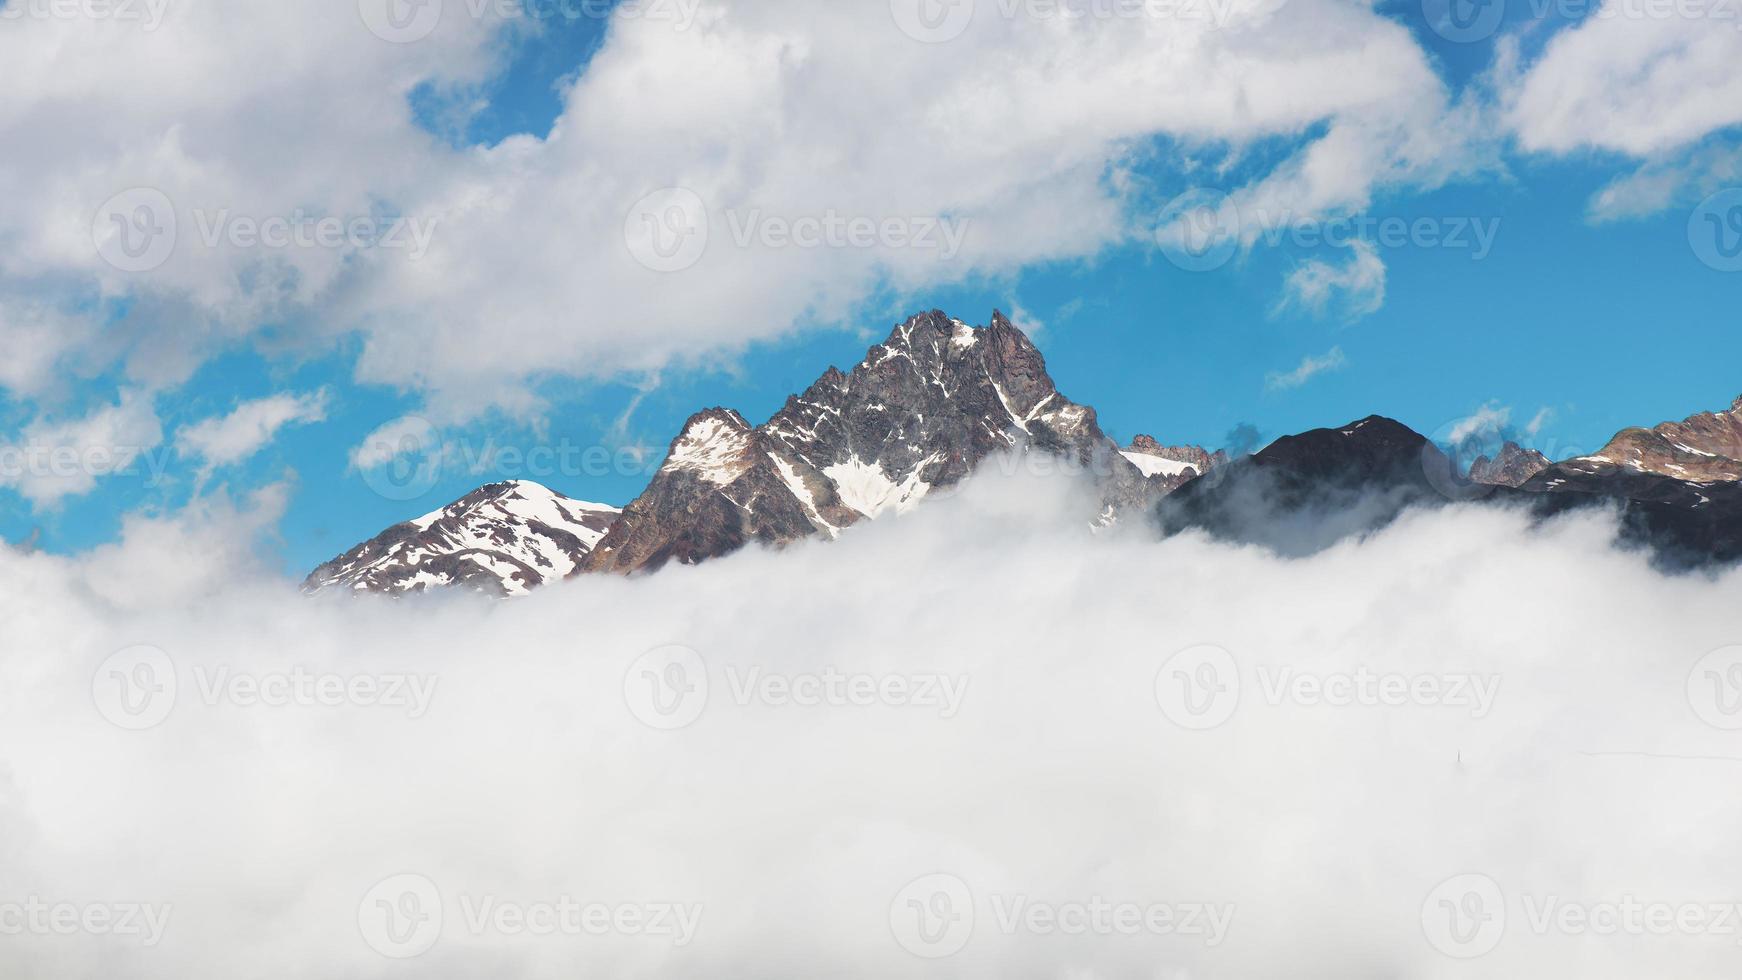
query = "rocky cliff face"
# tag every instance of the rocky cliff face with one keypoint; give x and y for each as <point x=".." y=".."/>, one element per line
<point x="918" y="413"/>
<point x="502" y="539"/>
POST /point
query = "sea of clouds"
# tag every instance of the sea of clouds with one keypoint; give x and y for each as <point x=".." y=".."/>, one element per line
<point x="975" y="741"/>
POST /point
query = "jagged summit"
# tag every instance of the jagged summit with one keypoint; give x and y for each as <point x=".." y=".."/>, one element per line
<point x="918" y="412"/>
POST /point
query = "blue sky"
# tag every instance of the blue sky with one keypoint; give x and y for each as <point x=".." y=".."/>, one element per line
<point x="1584" y="326"/>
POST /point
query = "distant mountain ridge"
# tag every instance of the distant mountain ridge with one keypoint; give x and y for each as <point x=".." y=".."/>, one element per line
<point x="938" y="397"/>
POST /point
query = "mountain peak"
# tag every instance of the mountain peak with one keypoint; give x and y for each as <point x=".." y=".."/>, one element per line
<point x="920" y="411"/>
<point x="714" y="446"/>
<point x="502" y="538"/>
<point x="1513" y="466"/>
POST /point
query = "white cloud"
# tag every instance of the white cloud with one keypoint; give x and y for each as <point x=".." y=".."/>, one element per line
<point x="57" y="458"/>
<point x="1631" y="84"/>
<point x="1309" y="368"/>
<point x="250" y="427"/>
<point x="1486" y="422"/>
<point x="37" y="338"/>
<point x="797" y="828"/>
<point x="1355" y="288"/>
<point x="1650" y="81"/>
<point x="1010" y="132"/>
<point x="1663" y="181"/>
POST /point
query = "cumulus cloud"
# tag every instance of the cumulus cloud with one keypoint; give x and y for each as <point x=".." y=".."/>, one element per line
<point x="248" y="428"/>
<point x="1309" y="368"/>
<point x="55" y="458"/>
<point x="1319" y="833"/>
<point x="1354" y="289"/>
<point x="998" y="148"/>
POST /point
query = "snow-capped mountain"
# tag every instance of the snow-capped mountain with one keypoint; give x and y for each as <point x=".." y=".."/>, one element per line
<point x="918" y="413"/>
<point x="502" y="539"/>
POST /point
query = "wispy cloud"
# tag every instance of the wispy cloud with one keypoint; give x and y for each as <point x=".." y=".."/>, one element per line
<point x="1352" y="290"/>
<point x="225" y="440"/>
<point x="1309" y="368"/>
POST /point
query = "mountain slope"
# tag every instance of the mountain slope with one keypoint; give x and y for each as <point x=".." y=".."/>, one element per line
<point x="1704" y="448"/>
<point x="918" y="413"/>
<point x="502" y="539"/>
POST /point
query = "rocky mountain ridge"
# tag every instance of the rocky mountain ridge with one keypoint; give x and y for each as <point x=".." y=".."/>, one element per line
<point x="938" y="397"/>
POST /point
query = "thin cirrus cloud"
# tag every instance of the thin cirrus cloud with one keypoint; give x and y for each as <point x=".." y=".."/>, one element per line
<point x="1309" y="368"/>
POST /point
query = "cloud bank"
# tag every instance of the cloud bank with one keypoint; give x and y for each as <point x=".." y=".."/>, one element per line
<point x="1457" y="748"/>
